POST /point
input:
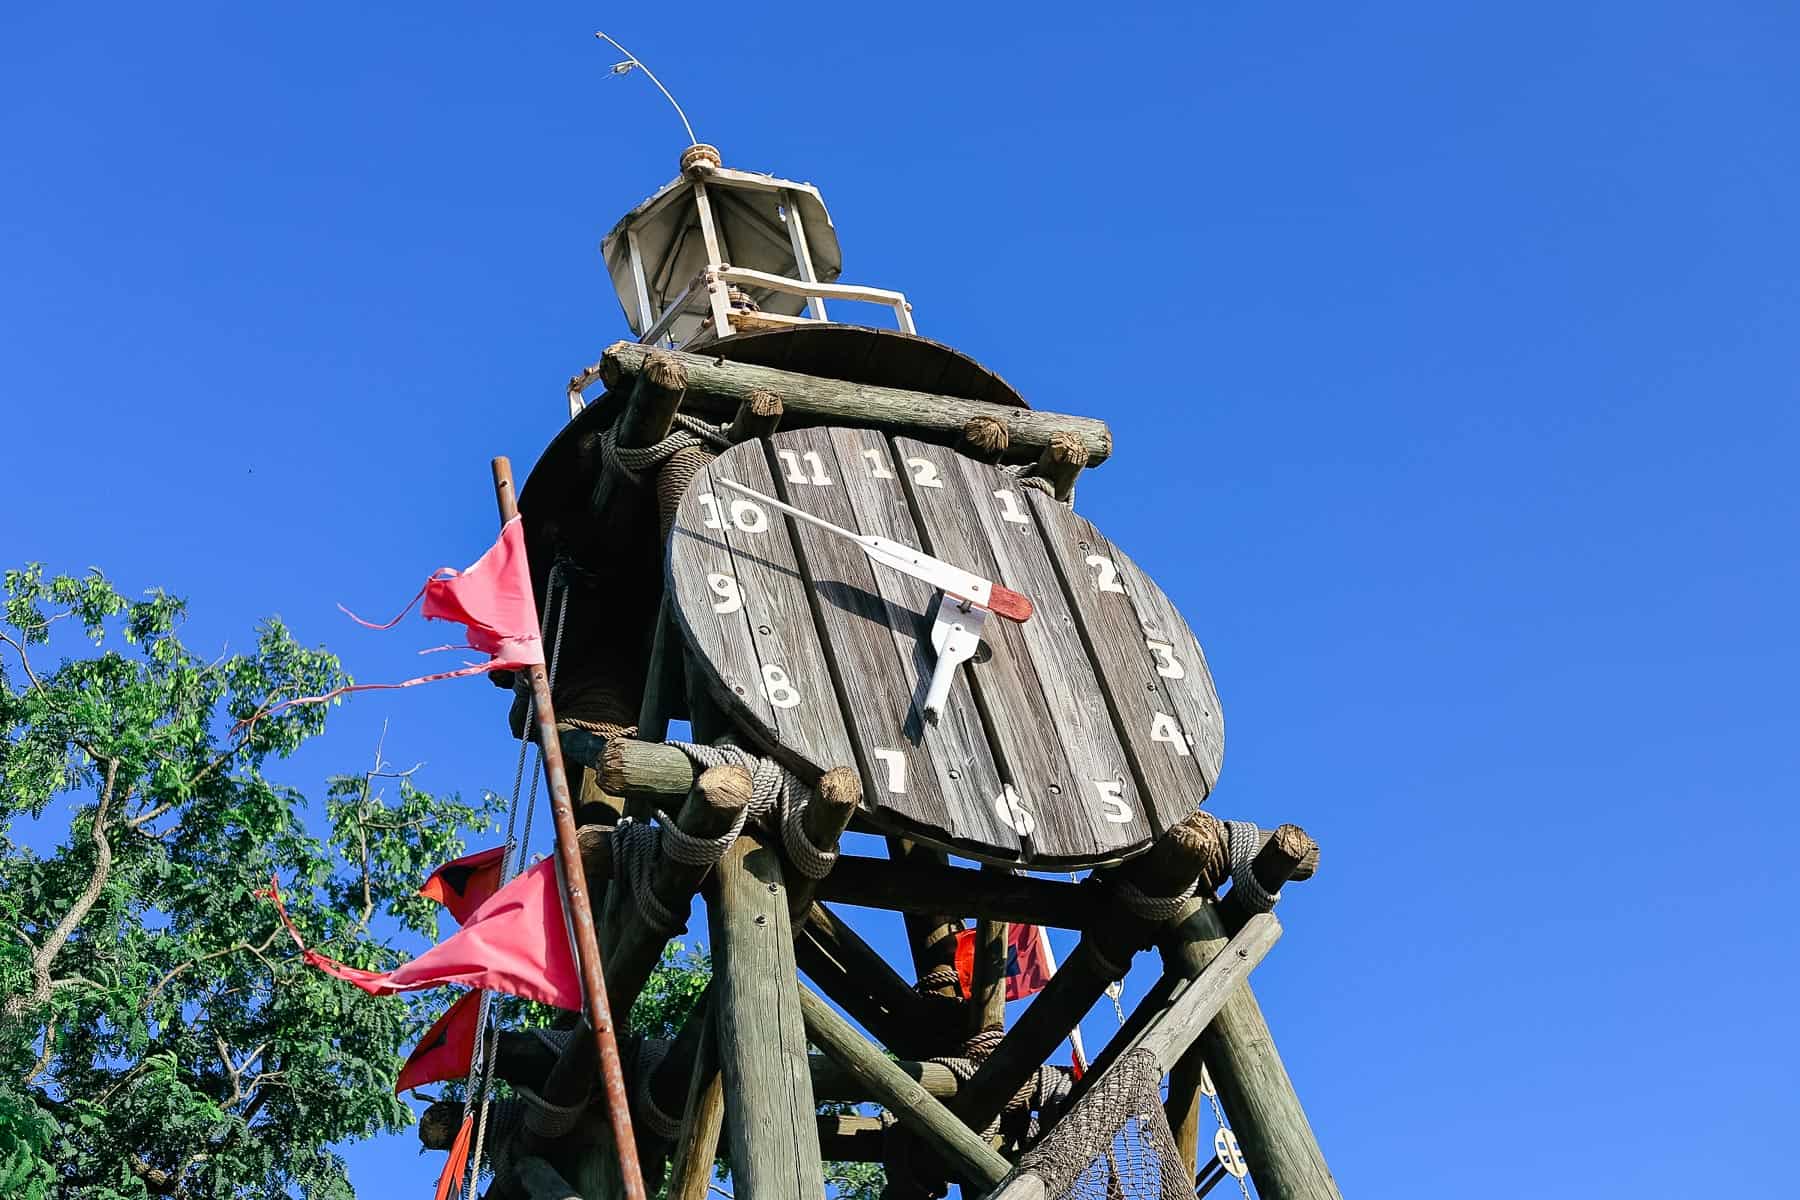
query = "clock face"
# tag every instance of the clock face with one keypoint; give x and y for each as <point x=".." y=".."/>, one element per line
<point x="1072" y="739"/>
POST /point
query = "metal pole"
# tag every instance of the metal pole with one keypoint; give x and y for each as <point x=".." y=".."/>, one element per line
<point x="574" y="896"/>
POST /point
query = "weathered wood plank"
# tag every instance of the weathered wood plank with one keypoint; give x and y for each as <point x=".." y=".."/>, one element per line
<point x="851" y="972"/>
<point x="1191" y="691"/>
<point x="1104" y="790"/>
<point x="853" y="620"/>
<point x="788" y="701"/>
<point x="963" y="1150"/>
<point x="702" y="1121"/>
<point x="1155" y="738"/>
<point x="715" y="388"/>
<point x="1005" y="688"/>
<point x="774" y="1138"/>
<point x="920" y="886"/>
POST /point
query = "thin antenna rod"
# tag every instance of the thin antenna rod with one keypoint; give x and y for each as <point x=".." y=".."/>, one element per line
<point x="632" y="60"/>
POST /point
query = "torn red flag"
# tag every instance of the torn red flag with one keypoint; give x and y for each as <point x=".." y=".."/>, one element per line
<point x="1027" y="970"/>
<point x="464" y="884"/>
<point x="450" y="1179"/>
<point x="515" y="943"/>
<point x="447" y="1048"/>
<point x="492" y="600"/>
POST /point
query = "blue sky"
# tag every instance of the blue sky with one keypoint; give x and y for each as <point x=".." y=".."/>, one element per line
<point x="1449" y="350"/>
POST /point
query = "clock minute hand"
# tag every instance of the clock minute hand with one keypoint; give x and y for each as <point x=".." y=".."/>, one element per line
<point x="964" y="585"/>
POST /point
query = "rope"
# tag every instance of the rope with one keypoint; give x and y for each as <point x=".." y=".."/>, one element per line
<point x="937" y="979"/>
<point x="650" y="1056"/>
<point x="1021" y="473"/>
<point x="631" y="461"/>
<point x="1156" y="909"/>
<point x="544" y="1118"/>
<point x="774" y="791"/>
<point x="1245" y="841"/>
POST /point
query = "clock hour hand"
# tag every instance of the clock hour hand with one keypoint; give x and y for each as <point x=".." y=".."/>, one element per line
<point x="965" y="586"/>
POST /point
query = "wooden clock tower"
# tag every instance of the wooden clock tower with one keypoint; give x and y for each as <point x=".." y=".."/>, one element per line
<point x="845" y="555"/>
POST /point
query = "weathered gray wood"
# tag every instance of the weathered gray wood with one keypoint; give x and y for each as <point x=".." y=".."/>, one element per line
<point x="1193" y="1002"/>
<point x="965" y="1152"/>
<point x="1010" y="698"/>
<point x="987" y="986"/>
<point x="774" y="1139"/>
<point x="1023" y="1186"/>
<point x="833" y="1083"/>
<point x="849" y="970"/>
<point x="642" y="769"/>
<point x="918" y="885"/>
<point x="1149" y="726"/>
<point x="1082" y="722"/>
<point x="716" y="388"/>
<point x="773" y="653"/>
<point x="631" y="947"/>
<point x="1103" y="955"/>
<point x="666" y="682"/>
<point x="1194" y="696"/>
<point x="1061" y="462"/>
<point x="930" y="932"/>
<point x="1252" y="1082"/>
<point x="757" y="417"/>
<point x="702" y="1121"/>
<point x="646" y="419"/>
<point x="959" y="762"/>
<point x="876" y="626"/>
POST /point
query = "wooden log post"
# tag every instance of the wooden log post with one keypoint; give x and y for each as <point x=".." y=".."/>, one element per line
<point x="983" y="439"/>
<point x="702" y="1121"/>
<point x="964" y="1151"/>
<point x="1062" y="460"/>
<point x="632" y="945"/>
<point x="771" y="1117"/>
<point x="1253" y="1086"/>
<point x="930" y="933"/>
<point x="849" y="970"/>
<point x="1169" y="868"/>
<point x="1280" y="858"/>
<point x="662" y="380"/>
<point x="716" y="387"/>
<point x="828" y="811"/>
<point x="846" y="1138"/>
<point x="757" y="417"/>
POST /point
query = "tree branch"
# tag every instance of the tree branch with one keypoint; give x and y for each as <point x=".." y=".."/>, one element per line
<point x="45" y="957"/>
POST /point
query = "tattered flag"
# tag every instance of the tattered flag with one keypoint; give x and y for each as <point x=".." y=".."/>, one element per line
<point x="464" y="884"/>
<point x="1027" y="971"/>
<point x="447" y="1048"/>
<point x="515" y="943"/>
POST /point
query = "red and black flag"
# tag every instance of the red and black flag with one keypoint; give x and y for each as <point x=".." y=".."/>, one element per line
<point x="447" y="1049"/>
<point x="464" y="884"/>
<point x="1027" y="966"/>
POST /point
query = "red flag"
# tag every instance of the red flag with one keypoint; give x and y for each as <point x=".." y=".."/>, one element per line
<point x="464" y="884"/>
<point x="492" y="600"/>
<point x="1026" y="969"/>
<point x="447" y="1048"/>
<point x="514" y="943"/>
<point x="450" y="1179"/>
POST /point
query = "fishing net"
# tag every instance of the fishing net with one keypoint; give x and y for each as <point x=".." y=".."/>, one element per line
<point x="1115" y="1144"/>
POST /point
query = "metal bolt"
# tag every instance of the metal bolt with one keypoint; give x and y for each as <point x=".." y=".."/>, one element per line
<point x="763" y="629"/>
<point x="952" y="773"/>
<point x="773" y="888"/>
<point x="1056" y="789"/>
<point x="762" y="918"/>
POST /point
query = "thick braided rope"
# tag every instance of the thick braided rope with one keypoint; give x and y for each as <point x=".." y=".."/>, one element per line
<point x="1156" y="909"/>
<point x="775" y="792"/>
<point x="631" y="461"/>
<point x="544" y="1118"/>
<point x="1245" y="840"/>
<point x="636" y="846"/>
<point x="1022" y="476"/>
<point x="650" y="1056"/>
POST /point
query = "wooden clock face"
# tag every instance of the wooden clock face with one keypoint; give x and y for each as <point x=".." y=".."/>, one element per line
<point x="1073" y="739"/>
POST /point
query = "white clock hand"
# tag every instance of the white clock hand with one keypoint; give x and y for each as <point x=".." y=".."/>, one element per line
<point x="964" y="585"/>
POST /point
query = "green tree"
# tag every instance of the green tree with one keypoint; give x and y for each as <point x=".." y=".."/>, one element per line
<point x="159" y="1035"/>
